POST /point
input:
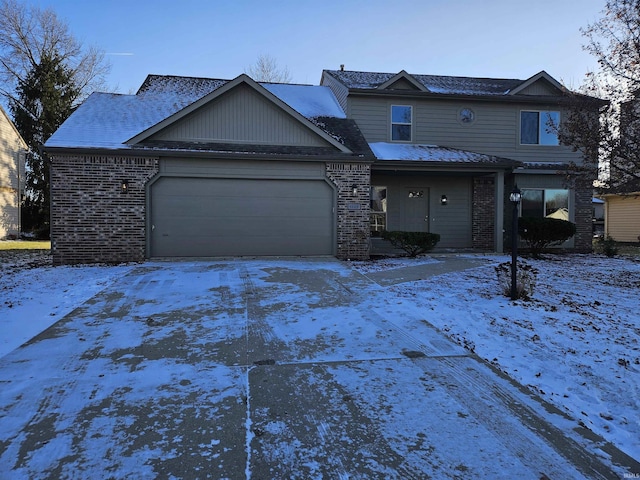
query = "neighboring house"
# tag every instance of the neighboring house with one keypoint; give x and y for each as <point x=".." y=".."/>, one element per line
<point x="204" y="167"/>
<point x="622" y="213"/>
<point x="12" y="171"/>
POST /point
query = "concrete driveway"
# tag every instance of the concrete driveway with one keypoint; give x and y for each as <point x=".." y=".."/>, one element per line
<point x="270" y="369"/>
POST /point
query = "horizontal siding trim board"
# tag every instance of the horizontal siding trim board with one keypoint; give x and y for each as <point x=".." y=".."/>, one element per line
<point x="245" y="169"/>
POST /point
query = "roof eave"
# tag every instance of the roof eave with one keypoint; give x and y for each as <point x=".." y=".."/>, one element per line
<point x="159" y="153"/>
<point x="468" y="97"/>
<point x="439" y="165"/>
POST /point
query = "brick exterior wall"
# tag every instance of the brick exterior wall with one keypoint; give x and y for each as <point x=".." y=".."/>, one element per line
<point x="91" y="219"/>
<point x="352" y="209"/>
<point x="483" y="216"/>
<point x="583" y="240"/>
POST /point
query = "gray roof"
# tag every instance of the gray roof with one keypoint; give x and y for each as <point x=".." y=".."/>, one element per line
<point x="434" y="83"/>
<point x="434" y="154"/>
<point x="108" y="121"/>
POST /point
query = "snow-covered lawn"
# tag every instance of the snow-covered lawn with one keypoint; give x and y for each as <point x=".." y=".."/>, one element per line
<point x="34" y="295"/>
<point x="576" y="342"/>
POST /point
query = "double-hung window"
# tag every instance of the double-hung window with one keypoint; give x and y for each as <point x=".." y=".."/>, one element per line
<point x="401" y="119"/>
<point x="539" y="127"/>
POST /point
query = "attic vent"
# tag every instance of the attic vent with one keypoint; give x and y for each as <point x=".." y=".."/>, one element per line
<point x="342" y="67"/>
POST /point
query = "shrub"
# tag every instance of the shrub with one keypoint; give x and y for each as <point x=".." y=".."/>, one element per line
<point x="525" y="279"/>
<point x="414" y="243"/>
<point x="540" y="233"/>
<point x="608" y="246"/>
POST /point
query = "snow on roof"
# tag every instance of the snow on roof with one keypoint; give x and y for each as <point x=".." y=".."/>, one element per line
<point x="308" y="100"/>
<point x="434" y="83"/>
<point x="108" y="120"/>
<point x="430" y="153"/>
<point x="180" y="85"/>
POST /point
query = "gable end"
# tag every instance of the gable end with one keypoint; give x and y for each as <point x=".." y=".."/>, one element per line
<point x="240" y="115"/>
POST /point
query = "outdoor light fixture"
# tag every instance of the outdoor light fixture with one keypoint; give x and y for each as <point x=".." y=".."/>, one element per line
<point x="443" y="200"/>
<point x="124" y="186"/>
<point x="515" y="196"/>
<point x="354" y="189"/>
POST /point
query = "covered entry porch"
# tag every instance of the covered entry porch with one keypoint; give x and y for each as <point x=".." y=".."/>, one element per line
<point x="456" y="194"/>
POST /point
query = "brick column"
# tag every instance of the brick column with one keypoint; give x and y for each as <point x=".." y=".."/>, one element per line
<point x="352" y="208"/>
<point x="583" y="240"/>
<point x="483" y="216"/>
<point x="92" y="220"/>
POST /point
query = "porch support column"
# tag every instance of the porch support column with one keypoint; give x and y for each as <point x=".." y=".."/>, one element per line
<point x="499" y="220"/>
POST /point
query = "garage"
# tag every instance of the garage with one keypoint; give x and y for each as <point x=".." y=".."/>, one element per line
<point x="202" y="217"/>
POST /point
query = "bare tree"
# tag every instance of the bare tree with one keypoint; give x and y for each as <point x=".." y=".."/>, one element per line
<point x="266" y="69"/>
<point x="29" y="34"/>
<point x="44" y="74"/>
<point x="609" y="133"/>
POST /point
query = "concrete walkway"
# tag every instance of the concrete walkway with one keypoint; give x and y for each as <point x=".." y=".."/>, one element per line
<point x="272" y="370"/>
<point x="440" y="266"/>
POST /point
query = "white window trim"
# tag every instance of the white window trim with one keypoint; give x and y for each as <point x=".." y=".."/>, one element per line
<point x="539" y="126"/>
<point x="392" y="123"/>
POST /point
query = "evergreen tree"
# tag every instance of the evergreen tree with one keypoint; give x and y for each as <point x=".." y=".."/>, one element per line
<point x="44" y="73"/>
<point x="45" y="98"/>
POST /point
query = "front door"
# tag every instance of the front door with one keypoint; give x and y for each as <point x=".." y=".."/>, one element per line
<point x="416" y="211"/>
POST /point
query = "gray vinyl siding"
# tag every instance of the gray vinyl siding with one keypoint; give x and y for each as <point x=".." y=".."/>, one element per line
<point x="538" y="88"/>
<point x="495" y="131"/>
<point x="226" y="120"/>
<point x="541" y="181"/>
<point x="194" y="167"/>
<point x="339" y="90"/>
<point x="452" y="222"/>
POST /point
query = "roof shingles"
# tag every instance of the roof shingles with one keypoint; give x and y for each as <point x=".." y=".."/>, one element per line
<point x="433" y="83"/>
<point x="108" y="121"/>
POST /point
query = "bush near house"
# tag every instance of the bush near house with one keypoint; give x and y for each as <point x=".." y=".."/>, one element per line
<point x="607" y="245"/>
<point x="414" y="243"/>
<point x="540" y="233"/>
<point x="526" y="277"/>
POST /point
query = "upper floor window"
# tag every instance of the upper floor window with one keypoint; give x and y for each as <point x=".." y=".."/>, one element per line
<point x="401" y="116"/>
<point x="539" y="128"/>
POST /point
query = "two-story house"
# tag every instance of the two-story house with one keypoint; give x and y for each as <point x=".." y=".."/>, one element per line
<point x="12" y="173"/>
<point x="196" y="167"/>
<point x="450" y="149"/>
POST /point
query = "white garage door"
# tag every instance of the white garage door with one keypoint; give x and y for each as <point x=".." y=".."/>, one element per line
<point x="200" y="217"/>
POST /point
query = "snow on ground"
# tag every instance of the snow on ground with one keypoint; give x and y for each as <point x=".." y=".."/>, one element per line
<point x="34" y="294"/>
<point x="576" y="343"/>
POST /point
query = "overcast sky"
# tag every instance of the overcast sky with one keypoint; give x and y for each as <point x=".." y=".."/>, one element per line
<point x="220" y="39"/>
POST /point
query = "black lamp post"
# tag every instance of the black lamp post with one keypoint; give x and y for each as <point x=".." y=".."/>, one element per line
<point x="515" y="197"/>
